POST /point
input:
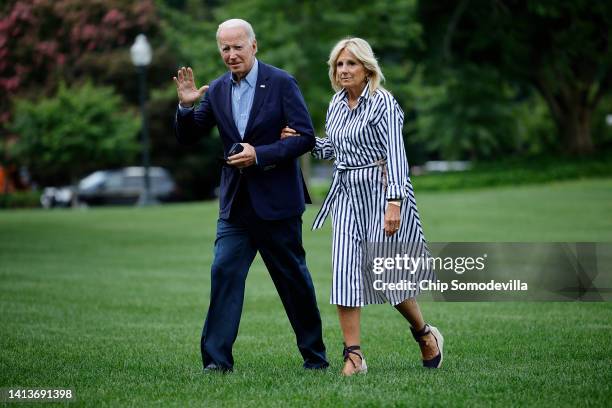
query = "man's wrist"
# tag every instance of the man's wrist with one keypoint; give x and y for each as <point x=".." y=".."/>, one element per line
<point x="397" y="203"/>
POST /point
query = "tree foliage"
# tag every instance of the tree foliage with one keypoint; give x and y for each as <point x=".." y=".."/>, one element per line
<point x="561" y="49"/>
<point x="78" y="130"/>
<point x="476" y="78"/>
<point x="44" y="41"/>
<point x="468" y="115"/>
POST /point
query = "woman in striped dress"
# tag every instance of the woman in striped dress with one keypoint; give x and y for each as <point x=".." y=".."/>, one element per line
<point x="371" y="203"/>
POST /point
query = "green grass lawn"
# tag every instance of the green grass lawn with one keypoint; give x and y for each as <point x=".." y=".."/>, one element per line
<point x="111" y="302"/>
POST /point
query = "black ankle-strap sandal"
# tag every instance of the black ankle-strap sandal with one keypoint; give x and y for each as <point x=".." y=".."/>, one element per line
<point x="351" y="350"/>
<point x="418" y="335"/>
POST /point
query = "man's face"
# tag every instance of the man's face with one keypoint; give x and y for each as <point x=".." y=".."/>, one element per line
<point x="236" y="50"/>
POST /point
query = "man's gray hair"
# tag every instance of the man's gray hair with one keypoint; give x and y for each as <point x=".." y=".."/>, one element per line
<point x="237" y="22"/>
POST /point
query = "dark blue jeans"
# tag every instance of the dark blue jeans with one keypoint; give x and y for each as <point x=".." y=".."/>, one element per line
<point x="280" y="246"/>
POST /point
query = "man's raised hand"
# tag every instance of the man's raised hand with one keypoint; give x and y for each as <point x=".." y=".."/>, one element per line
<point x="187" y="92"/>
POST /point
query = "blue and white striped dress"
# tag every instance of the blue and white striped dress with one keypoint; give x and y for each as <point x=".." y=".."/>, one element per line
<point x="370" y="167"/>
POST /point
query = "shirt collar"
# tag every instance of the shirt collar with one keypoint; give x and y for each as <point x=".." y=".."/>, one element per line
<point x="365" y="94"/>
<point x="251" y="77"/>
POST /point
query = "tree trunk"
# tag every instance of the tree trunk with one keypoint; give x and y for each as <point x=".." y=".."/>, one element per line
<point x="572" y="116"/>
<point x="575" y="129"/>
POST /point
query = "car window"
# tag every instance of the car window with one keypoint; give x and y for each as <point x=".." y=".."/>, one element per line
<point x="113" y="181"/>
<point x="133" y="182"/>
<point x="92" y="180"/>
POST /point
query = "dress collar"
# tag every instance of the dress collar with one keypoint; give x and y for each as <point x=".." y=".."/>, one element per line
<point x="365" y="95"/>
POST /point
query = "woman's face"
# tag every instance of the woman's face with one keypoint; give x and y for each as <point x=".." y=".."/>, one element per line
<point x="350" y="72"/>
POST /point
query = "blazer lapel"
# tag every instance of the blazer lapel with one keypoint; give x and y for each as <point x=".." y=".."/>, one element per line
<point x="261" y="91"/>
<point x="227" y="107"/>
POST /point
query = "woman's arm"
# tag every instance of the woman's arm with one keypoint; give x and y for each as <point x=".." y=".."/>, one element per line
<point x="397" y="163"/>
<point x="323" y="150"/>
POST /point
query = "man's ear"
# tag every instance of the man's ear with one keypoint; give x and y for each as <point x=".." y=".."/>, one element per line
<point x="255" y="46"/>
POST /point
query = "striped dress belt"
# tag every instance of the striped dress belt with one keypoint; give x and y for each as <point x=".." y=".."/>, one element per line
<point x="340" y="168"/>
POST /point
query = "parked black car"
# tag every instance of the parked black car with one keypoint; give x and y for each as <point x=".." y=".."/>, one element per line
<point x="122" y="186"/>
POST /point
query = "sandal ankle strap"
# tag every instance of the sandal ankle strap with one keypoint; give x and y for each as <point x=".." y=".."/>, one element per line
<point x="351" y="350"/>
<point x="418" y="334"/>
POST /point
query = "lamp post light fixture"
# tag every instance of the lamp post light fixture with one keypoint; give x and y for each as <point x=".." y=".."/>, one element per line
<point x="142" y="54"/>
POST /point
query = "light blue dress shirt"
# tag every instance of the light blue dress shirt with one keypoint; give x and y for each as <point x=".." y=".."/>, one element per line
<point x="242" y="98"/>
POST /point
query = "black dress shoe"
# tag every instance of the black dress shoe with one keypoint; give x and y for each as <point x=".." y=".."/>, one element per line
<point x="316" y="367"/>
<point x="213" y="368"/>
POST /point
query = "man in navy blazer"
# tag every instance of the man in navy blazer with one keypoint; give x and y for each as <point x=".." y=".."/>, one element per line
<point x="262" y="193"/>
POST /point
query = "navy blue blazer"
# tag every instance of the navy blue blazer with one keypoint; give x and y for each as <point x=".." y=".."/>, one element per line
<point x="275" y="184"/>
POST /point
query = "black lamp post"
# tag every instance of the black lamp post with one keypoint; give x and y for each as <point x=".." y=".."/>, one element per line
<point x="141" y="58"/>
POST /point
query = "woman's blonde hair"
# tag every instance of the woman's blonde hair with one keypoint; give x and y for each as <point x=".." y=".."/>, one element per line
<point x="364" y="54"/>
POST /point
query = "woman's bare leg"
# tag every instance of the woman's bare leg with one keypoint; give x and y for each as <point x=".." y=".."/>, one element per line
<point x="409" y="308"/>
<point x="350" y="318"/>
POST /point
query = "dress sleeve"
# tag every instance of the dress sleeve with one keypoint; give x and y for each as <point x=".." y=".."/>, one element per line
<point x="324" y="148"/>
<point x="397" y="163"/>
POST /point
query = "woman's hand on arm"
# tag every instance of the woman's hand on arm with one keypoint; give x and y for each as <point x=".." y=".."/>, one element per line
<point x="323" y="148"/>
<point x="288" y="132"/>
